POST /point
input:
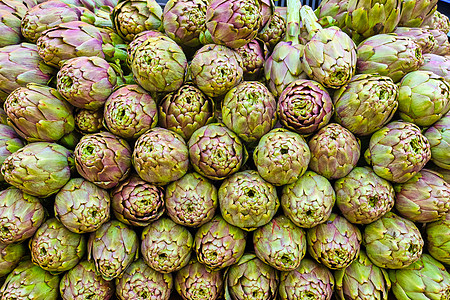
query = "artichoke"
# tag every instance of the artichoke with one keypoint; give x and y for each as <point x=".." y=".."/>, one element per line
<point x="142" y="282"/>
<point x="247" y="201"/>
<point x="160" y="156"/>
<point x="336" y="9"/>
<point x="439" y="65"/>
<point x="82" y="282"/>
<point x="10" y="256"/>
<point x="249" y="110"/>
<point x="423" y="37"/>
<point x="363" y="197"/>
<point x="216" y="152"/>
<point x="39" y="169"/>
<point x="136" y="202"/>
<point x="437" y="21"/>
<point x="219" y="244"/>
<point x="138" y="40"/>
<point x="392" y="242"/>
<point x="81" y="206"/>
<point x="274" y="31"/>
<point x="10" y="142"/>
<point x="253" y="58"/>
<point x="89" y="121"/>
<point x="398" y="151"/>
<point x="438" y="239"/>
<point x="130" y="111"/>
<point x="191" y="200"/>
<point x="166" y="246"/>
<point x="10" y="28"/>
<point x="112" y="248"/>
<point x="439" y="137"/>
<point x="443" y="44"/>
<point x="413" y="13"/>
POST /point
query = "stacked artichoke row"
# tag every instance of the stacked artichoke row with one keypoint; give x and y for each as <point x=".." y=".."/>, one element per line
<point x="224" y="149"/>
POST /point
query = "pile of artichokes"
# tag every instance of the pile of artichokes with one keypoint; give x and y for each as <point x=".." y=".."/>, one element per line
<point x="224" y="149"/>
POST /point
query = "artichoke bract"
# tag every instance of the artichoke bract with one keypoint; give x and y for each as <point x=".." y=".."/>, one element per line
<point x="215" y="69"/>
<point x="423" y="37"/>
<point x="424" y="198"/>
<point x="253" y="58"/>
<point x="112" y="248"/>
<point x="398" y="151"/>
<point x="437" y="21"/>
<point x="413" y="13"/>
<point x="363" y="197"/>
<point x="55" y="248"/>
<point x="136" y="202"/>
<point x="247" y="201"/>
<point x="309" y="200"/>
<point x="10" y="28"/>
<point x="130" y="111"/>
<point x="81" y="206"/>
<point x="439" y="65"/>
<point x="439" y="137"/>
<point x="10" y="142"/>
<point x="160" y="156"/>
<point x="249" y="110"/>
<point x="392" y="242"/>
<point x="219" y="244"/>
<point x="281" y="156"/>
<point x="159" y="64"/>
<point x="438" y="239"/>
<point x="10" y="256"/>
<point x="89" y="121"/>
<point x="166" y="246"/>
<point x="274" y="30"/>
<point x="140" y="282"/>
<point x="45" y="166"/>
<point x="81" y="282"/>
<point x="39" y="113"/>
<point x="366" y="103"/>
<point x="443" y="44"/>
<point x="191" y="201"/>
<point x="334" y="8"/>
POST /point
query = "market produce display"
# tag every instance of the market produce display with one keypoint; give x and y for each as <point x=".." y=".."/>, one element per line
<point x="224" y="150"/>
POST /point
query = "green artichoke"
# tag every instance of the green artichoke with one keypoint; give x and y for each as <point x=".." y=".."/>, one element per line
<point x="130" y="111"/>
<point x="439" y="65"/>
<point x="437" y="21"/>
<point x="423" y="37"/>
<point x="392" y="242"/>
<point x="10" y="142"/>
<point x="413" y="12"/>
<point x="138" y="40"/>
<point x="136" y="202"/>
<point x="191" y="200"/>
<point x="160" y="156"/>
<point x="336" y="9"/>
<point x="438" y="239"/>
<point x="249" y="110"/>
<point x="363" y="197"/>
<point x="142" y="282"/>
<point x="112" y="248"/>
<point x="366" y="103"/>
<point x="10" y="256"/>
<point x="439" y="137"/>
<point x="166" y="246"/>
<point x="81" y="206"/>
<point x="39" y="169"/>
<point x="274" y="31"/>
<point x="82" y="282"/>
<point x="247" y="201"/>
<point x="55" y="248"/>
<point x="253" y="58"/>
<point x="216" y="152"/>
<point x="219" y="244"/>
<point x="89" y="121"/>
<point x="10" y="27"/>
<point x="398" y="151"/>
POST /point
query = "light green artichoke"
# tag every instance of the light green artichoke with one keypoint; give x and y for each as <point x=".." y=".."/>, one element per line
<point x="88" y="121"/>
<point x="10" y="256"/>
<point x="438" y="239"/>
<point x="274" y="30"/>
<point x="439" y="137"/>
<point x="413" y="12"/>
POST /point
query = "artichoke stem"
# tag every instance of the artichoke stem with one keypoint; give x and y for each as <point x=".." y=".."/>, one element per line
<point x="310" y="20"/>
<point x="293" y="21"/>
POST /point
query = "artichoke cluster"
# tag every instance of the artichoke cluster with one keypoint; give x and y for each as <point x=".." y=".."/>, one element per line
<point x="224" y="150"/>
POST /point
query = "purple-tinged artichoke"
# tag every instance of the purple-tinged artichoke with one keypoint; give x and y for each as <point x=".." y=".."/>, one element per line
<point x="437" y="21"/>
<point x="310" y="280"/>
<point x="424" y="198"/>
<point x="444" y="173"/>
<point x="82" y="282"/>
<point x="89" y="121"/>
<point x="413" y="12"/>
<point x="219" y="244"/>
<point x="335" y="243"/>
<point x="39" y="169"/>
<point x="423" y="37"/>
<point x="253" y="58"/>
<point x="363" y="197"/>
<point x="55" y="248"/>
<point x="362" y="280"/>
<point x="250" y="278"/>
<point x="86" y="82"/>
<point x="392" y="242"/>
<point x="216" y="152"/>
<point x="131" y="17"/>
<point x="281" y="156"/>
<point x="10" y="27"/>
<point x="18" y="7"/>
<point x="81" y="206"/>
<point x="39" y="113"/>
<point x="215" y="69"/>
<point x="398" y="151"/>
<point x="10" y="142"/>
<point x="142" y="282"/>
<point x="366" y="103"/>
<point x="274" y="31"/>
<point x="439" y="65"/>
<point x="186" y="110"/>
<point x="94" y="5"/>
<point x="160" y="156"/>
<point x="138" y="40"/>
<point x="112" y="248"/>
<point x="130" y="111"/>
<point x="159" y="64"/>
<point x="389" y="55"/>
<point x="438" y="239"/>
<point x="443" y="44"/>
<point x="166" y="246"/>
<point x="136" y="202"/>
<point x="250" y="110"/>
<point x="191" y="200"/>
<point x="336" y="9"/>
<point x="196" y="281"/>
<point x="439" y="137"/>
<point x="103" y="158"/>
<point x="247" y="201"/>
<point x="10" y="256"/>
<point x="304" y="106"/>
<point x="309" y="200"/>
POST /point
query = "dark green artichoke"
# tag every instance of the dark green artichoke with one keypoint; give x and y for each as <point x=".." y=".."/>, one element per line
<point x="10" y="142"/>
<point x="10" y="256"/>
<point x="89" y="121"/>
<point x="439" y="137"/>
<point x="438" y="239"/>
